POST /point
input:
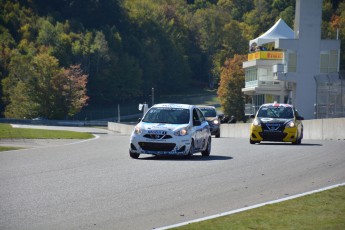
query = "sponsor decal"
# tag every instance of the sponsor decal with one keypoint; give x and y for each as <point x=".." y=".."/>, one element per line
<point x="157" y="132"/>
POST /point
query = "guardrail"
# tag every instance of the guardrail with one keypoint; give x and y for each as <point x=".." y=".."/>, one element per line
<point x="318" y="129"/>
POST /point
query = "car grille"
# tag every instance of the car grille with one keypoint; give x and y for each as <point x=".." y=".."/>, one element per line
<point x="157" y="136"/>
<point x="273" y="132"/>
<point x="149" y="146"/>
<point x="273" y="136"/>
<point x="273" y="127"/>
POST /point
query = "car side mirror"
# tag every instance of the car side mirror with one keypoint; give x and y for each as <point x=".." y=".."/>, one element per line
<point x="139" y="119"/>
<point x="252" y="116"/>
<point x="196" y="123"/>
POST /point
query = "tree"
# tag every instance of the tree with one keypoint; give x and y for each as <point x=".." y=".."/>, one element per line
<point x="47" y="34"/>
<point x="231" y="84"/>
<point x="39" y="87"/>
<point x="236" y="8"/>
<point x="333" y="27"/>
<point x="232" y="42"/>
<point x="207" y="25"/>
<point x="288" y="15"/>
<point x="74" y="90"/>
<point x="126" y="47"/>
<point x="6" y="44"/>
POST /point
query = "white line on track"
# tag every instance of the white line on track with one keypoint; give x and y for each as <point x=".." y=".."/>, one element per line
<point x="78" y="142"/>
<point x="250" y="207"/>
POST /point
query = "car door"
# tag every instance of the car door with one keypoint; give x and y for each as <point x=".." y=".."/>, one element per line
<point x="298" y="120"/>
<point x="197" y="126"/>
<point x="205" y="129"/>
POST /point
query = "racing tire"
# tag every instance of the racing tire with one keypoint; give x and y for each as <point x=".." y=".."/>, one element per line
<point x="253" y="142"/>
<point x="191" y="150"/>
<point x="207" y="151"/>
<point x="297" y="142"/>
<point x="134" y="155"/>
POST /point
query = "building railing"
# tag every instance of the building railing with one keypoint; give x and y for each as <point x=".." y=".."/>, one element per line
<point x="270" y="83"/>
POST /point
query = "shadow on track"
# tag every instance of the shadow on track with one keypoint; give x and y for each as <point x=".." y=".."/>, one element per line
<point x="185" y="158"/>
<point x="289" y="144"/>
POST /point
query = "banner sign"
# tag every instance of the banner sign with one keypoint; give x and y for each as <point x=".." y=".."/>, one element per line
<point x="270" y="55"/>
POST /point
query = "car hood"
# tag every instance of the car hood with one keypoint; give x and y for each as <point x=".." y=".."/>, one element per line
<point x="161" y="126"/>
<point x="275" y="120"/>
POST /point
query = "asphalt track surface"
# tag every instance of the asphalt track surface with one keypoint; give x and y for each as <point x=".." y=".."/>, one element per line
<point x="96" y="185"/>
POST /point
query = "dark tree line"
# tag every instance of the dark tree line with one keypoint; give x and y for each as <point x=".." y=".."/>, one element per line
<point x="123" y="48"/>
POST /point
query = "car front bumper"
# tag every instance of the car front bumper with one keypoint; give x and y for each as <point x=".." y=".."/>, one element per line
<point x="287" y="135"/>
<point x="174" y="146"/>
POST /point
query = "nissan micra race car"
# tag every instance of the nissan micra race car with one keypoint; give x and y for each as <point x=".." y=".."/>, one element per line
<point x="171" y="129"/>
<point x="210" y="114"/>
<point x="276" y="122"/>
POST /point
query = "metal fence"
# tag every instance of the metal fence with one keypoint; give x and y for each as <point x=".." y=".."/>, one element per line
<point x="330" y="95"/>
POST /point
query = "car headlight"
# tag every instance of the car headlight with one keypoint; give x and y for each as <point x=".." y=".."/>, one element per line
<point x="290" y="124"/>
<point x="256" y="122"/>
<point x="181" y="132"/>
<point x="216" y="122"/>
<point x="137" y="130"/>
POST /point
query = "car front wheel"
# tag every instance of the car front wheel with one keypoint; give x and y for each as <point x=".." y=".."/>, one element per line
<point x="297" y="142"/>
<point x="134" y="155"/>
<point x="191" y="149"/>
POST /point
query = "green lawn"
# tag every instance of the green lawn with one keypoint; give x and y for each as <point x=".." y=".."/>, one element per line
<point x="8" y="132"/>
<point x="323" y="210"/>
<point x="6" y="148"/>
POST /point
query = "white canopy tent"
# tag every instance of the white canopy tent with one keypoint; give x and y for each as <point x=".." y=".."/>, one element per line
<point x="280" y="30"/>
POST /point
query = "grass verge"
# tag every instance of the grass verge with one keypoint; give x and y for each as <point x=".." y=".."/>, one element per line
<point x="7" y="148"/>
<point x="323" y="210"/>
<point x="7" y="131"/>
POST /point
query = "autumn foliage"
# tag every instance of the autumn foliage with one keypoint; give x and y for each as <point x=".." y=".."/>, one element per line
<point x="38" y="87"/>
<point x="128" y="47"/>
<point x="230" y="86"/>
<point x="75" y="89"/>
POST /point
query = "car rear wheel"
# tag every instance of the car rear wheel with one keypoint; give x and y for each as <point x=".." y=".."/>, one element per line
<point x="134" y="155"/>
<point x="207" y="151"/>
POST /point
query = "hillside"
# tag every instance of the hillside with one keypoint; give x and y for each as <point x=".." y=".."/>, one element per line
<point x="124" y="48"/>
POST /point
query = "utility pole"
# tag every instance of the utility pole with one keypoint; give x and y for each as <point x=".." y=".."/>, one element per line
<point x="153" y="96"/>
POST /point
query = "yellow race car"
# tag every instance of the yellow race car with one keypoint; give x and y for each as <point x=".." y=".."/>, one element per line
<point x="276" y="122"/>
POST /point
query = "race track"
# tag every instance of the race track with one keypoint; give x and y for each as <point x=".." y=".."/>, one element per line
<point x="96" y="185"/>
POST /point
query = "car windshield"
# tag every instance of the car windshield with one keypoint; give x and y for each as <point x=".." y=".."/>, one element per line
<point x="167" y="115"/>
<point x="276" y="112"/>
<point x="208" y="112"/>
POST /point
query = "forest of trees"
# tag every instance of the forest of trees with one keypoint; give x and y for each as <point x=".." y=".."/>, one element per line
<point x="57" y="56"/>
